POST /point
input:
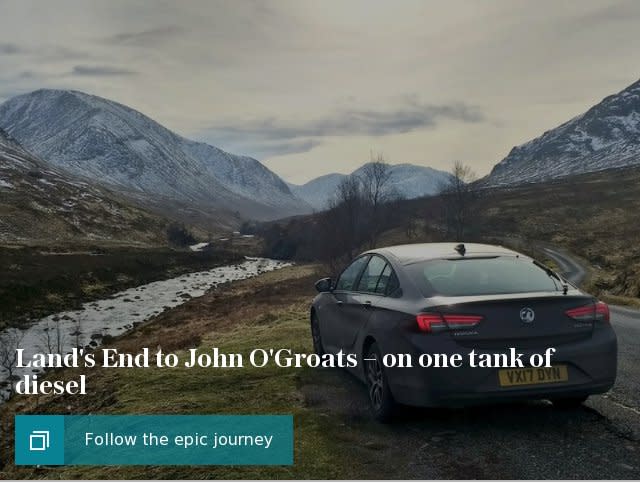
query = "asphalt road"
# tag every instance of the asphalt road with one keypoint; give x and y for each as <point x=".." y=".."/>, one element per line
<point x="622" y="404"/>
<point x="527" y="440"/>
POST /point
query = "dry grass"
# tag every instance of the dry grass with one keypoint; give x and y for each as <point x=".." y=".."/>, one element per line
<point x="39" y="281"/>
<point x="593" y="216"/>
<point x="334" y="436"/>
<point x="268" y="311"/>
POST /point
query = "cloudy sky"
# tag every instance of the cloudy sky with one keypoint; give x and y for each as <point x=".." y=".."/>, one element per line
<point x="311" y="87"/>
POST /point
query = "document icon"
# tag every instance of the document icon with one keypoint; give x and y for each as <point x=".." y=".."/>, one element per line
<point x="39" y="441"/>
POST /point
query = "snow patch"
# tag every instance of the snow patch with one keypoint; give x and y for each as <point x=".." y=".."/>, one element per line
<point x="198" y="247"/>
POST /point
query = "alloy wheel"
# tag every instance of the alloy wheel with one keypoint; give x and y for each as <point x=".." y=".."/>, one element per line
<point x="375" y="380"/>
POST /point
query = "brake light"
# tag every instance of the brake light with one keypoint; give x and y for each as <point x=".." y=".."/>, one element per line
<point x="437" y="322"/>
<point x="430" y="322"/>
<point x="592" y="312"/>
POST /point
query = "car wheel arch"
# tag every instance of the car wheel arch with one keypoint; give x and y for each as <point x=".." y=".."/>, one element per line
<point x="368" y="340"/>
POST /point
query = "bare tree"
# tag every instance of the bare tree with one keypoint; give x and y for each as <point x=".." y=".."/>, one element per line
<point x="349" y="207"/>
<point x="410" y="228"/>
<point x="378" y="193"/>
<point x="376" y="178"/>
<point x="47" y="344"/>
<point x="357" y="214"/>
<point x="10" y="340"/>
<point x="59" y="337"/>
<point x="52" y="339"/>
<point x="459" y="199"/>
<point x="343" y="224"/>
<point x="78" y="329"/>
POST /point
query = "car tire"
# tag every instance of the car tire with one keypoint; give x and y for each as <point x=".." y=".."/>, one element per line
<point x="569" y="402"/>
<point x="316" y="337"/>
<point x="380" y="397"/>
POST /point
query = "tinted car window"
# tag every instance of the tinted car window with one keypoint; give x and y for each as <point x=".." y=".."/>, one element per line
<point x="371" y="274"/>
<point x="481" y="276"/>
<point x="350" y="274"/>
<point x="388" y="282"/>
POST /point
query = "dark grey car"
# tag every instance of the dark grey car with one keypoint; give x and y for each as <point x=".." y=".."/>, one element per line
<point x="452" y="298"/>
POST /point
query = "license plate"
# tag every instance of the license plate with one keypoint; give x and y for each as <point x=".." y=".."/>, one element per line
<point x="533" y="375"/>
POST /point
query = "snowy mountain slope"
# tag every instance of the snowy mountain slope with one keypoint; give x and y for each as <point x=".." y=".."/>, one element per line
<point x="38" y="202"/>
<point x="318" y="191"/>
<point x="407" y="180"/>
<point x="244" y="175"/>
<point x="118" y="146"/>
<point x="606" y="136"/>
<point x="412" y="181"/>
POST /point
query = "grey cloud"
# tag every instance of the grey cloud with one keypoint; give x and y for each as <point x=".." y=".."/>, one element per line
<point x="10" y="49"/>
<point x="277" y="137"/>
<point x="100" y="71"/>
<point x="355" y="122"/>
<point x="60" y="53"/>
<point x="27" y="74"/>
<point x="144" y="37"/>
<point x="627" y="11"/>
<point x="44" y="53"/>
<point x="262" y="150"/>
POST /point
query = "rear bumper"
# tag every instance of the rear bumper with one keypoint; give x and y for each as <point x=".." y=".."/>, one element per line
<point x="591" y="363"/>
<point x="408" y="395"/>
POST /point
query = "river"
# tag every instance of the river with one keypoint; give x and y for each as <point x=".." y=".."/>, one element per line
<point x="59" y="333"/>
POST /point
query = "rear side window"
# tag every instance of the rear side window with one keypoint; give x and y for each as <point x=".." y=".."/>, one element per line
<point x="388" y="282"/>
<point x="371" y="275"/>
<point x="481" y="276"/>
<point x="350" y="274"/>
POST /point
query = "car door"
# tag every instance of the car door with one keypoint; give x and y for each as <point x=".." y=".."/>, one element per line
<point x="340" y="305"/>
<point x="361" y="302"/>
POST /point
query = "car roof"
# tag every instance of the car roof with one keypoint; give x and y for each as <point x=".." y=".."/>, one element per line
<point x="418" y="252"/>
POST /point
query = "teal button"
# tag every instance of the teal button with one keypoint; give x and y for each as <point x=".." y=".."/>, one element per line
<point x="39" y="440"/>
<point x="156" y="440"/>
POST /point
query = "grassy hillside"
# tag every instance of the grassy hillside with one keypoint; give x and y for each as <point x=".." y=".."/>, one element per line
<point x="40" y="203"/>
<point x="334" y="434"/>
<point x="254" y="313"/>
<point x="38" y="281"/>
<point x="593" y="216"/>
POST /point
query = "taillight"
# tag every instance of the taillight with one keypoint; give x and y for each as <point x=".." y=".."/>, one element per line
<point x="592" y="312"/>
<point x="430" y="322"/>
<point x="437" y="322"/>
<point x="602" y="312"/>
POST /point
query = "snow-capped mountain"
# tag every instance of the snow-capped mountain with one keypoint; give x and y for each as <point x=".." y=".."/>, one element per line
<point x="39" y="202"/>
<point x="318" y="191"/>
<point x="406" y="180"/>
<point x="120" y="147"/>
<point x="606" y="136"/>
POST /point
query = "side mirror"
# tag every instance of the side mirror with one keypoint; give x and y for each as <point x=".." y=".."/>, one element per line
<point x="324" y="285"/>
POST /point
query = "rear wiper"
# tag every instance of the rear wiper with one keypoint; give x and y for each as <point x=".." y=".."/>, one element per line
<point x="553" y="275"/>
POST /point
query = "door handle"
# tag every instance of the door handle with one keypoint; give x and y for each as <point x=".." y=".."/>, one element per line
<point x="367" y="304"/>
<point x="339" y="302"/>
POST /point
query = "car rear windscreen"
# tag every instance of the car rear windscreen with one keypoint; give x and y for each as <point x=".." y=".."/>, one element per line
<point x="481" y="276"/>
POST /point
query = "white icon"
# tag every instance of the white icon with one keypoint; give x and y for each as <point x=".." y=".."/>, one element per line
<point x="39" y="441"/>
